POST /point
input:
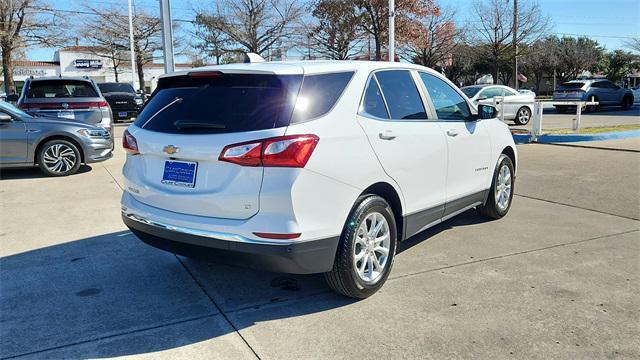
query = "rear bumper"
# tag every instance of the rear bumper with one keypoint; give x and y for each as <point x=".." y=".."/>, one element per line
<point x="296" y="257"/>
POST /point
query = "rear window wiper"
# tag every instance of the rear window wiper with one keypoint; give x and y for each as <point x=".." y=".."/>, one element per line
<point x="186" y="124"/>
<point x="176" y="100"/>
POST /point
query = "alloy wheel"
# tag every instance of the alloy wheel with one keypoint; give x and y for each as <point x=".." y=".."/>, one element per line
<point x="371" y="247"/>
<point x="59" y="158"/>
<point x="523" y="116"/>
<point x="503" y="188"/>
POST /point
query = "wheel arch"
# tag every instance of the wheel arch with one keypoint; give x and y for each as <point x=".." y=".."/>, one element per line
<point x="511" y="154"/>
<point x="389" y="193"/>
<point x="70" y="139"/>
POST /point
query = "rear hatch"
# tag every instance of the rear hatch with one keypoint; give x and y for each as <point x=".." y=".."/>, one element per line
<point x="66" y="98"/>
<point x="184" y="128"/>
<point x="569" y="91"/>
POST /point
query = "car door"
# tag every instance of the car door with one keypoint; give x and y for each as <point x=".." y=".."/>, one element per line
<point x="512" y="102"/>
<point x="468" y="142"/>
<point x="490" y="96"/>
<point x="409" y="145"/>
<point x="13" y="140"/>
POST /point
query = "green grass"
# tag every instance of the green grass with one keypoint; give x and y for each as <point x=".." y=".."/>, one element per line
<point x="594" y="130"/>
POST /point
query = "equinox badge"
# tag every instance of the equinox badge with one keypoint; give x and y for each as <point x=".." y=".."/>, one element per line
<point x="170" y="149"/>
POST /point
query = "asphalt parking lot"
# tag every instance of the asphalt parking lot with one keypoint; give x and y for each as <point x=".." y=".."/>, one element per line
<point x="559" y="277"/>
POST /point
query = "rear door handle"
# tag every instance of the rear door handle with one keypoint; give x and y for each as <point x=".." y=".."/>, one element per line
<point x="452" y="132"/>
<point x="387" y="135"/>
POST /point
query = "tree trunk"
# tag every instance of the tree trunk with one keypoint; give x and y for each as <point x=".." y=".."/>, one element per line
<point x="7" y="70"/>
<point x="376" y="39"/>
<point x="140" y="70"/>
<point x="115" y="72"/>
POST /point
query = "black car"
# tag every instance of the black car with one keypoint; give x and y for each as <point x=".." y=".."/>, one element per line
<point x="122" y="98"/>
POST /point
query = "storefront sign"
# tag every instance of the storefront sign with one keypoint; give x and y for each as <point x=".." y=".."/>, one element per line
<point x="29" y="72"/>
<point x="87" y="63"/>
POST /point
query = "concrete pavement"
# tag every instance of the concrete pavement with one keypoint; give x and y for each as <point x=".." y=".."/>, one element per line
<point x="559" y="277"/>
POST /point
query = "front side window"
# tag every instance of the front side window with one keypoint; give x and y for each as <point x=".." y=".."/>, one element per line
<point x="401" y="94"/>
<point x="373" y="103"/>
<point x="448" y="103"/>
<point x="61" y="89"/>
<point x="318" y="95"/>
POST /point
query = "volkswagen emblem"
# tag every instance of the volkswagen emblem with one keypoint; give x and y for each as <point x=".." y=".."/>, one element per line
<point x="170" y="149"/>
<point x="65" y="105"/>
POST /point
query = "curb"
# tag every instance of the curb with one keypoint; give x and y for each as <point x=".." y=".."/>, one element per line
<point x="547" y="139"/>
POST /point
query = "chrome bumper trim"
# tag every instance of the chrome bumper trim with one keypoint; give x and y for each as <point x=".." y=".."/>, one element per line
<point x="204" y="233"/>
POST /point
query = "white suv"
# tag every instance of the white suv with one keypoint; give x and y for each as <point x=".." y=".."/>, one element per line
<point x="310" y="167"/>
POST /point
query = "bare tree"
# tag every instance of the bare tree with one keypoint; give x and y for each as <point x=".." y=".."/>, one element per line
<point x="146" y="34"/>
<point x="375" y="19"/>
<point x="633" y="44"/>
<point x="433" y="39"/>
<point x="209" y="39"/>
<point x="108" y="43"/>
<point x="25" y="23"/>
<point x="336" y="32"/>
<point x="251" y="25"/>
<point x="493" y="29"/>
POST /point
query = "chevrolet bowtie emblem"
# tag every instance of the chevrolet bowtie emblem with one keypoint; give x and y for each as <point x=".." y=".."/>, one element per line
<point x="170" y="149"/>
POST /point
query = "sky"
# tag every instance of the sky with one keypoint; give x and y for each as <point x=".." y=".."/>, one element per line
<point x="610" y="22"/>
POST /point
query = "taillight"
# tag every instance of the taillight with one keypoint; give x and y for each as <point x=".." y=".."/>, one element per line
<point x="281" y="151"/>
<point x="129" y="143"/>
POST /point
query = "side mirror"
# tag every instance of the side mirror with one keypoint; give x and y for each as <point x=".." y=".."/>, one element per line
<point x="487" y="112"/>
<point x="13" y="98"/>
<point x="5" y="118"/>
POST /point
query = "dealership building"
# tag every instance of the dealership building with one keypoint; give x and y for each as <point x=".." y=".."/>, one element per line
<point x="85" y="61"/>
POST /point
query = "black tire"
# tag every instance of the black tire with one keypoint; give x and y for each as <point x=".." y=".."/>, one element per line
<point x="524" y="120"/>
<point x="627" y="102"/>
<point x="69" y="166"/>
<point x="344" y="278"/>
<point x="490" y="208"/>
<point x="561" y="109"/>
<point x="593" y="108"/>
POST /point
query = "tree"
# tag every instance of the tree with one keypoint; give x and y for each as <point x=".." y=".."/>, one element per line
<point x="108" y="43"/>
<point x="211" y="40"/>
<point x="433" y="40"/>
<point x="146" y="34"/>
<point x="493" y="30"/>
<point x="337" y="32"/>
<point x="251" y="25"/>
<point x="375" y="19"/>
<point x="633" y="44"/>
<point x="576" y="55"/>
<point x="541" y="60"/>
<point x="619" y="63"/>
<point x="25" y="23"/>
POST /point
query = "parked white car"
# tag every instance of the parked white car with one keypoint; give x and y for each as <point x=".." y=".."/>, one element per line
<point x="517" y="106"/>
<point x="310" y="167"/>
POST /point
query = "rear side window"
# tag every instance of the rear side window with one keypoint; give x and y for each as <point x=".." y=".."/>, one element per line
<point x="373" y="103"/>
<point x="61" y="89"/>
<point x="318" y="95"/>
<point x="490" y="93"/>
<point x="449" y="104"/>
<point x="220" y="103"/>
<point x="572" y="85"/>
<point x="401" y="94"/>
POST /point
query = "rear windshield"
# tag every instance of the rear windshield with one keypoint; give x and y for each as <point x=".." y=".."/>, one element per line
<point x="61" y="89"/>
<point x="116" y="87"/>
<point x="224" y="103"/>
<point x="471" y="91"/>
<point x="571" y="85"/>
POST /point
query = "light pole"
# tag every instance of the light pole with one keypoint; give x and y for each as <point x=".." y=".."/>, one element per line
<point x="392" y="30"/>
<point x="515" y="44"/>
<point x="167" y="35"/>
<point x="133" y="54"/>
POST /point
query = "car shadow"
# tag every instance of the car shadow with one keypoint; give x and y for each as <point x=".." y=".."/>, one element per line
<point x="112" y="295"/>
<point x="33" y="173"/>
<point x="603" y="111"/>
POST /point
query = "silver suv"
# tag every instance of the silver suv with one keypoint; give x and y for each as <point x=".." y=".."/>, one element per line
<point x="603" y="91"/>
<point x="73" y="98"/>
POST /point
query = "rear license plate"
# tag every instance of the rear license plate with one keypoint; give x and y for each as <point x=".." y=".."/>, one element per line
<point x="67" y="115"/>
<point x="122" y="114"/>
<point x="180" y="173"/>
